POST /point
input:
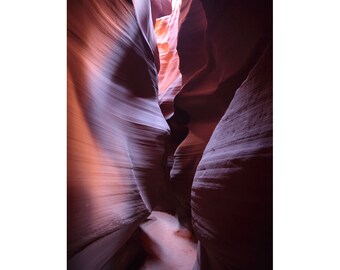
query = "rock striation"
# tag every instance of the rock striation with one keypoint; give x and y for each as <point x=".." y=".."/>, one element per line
<point x="169" y="109"/>
<point x="116" y="132"/>
<point x="236" y="34"/>
<point x="231" y="196"/>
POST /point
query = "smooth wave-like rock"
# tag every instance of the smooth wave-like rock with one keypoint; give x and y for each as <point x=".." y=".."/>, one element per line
<point x="236" y="34"/>
<point x="169" y="109"/>
<point x="116" y="132"/>
<point x="169" y="75"/>
<point x="187" y="17"/>
<point x="191" y="39"/>
<point x="160" y="8"/>
<point x="232" y="189"/>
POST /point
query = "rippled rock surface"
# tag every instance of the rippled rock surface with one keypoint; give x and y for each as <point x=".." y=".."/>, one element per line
<point x="231" y="196"/>
<point x="116" y="132"/>
<point x="170" y="109"/>
<point x="235" y="37"/>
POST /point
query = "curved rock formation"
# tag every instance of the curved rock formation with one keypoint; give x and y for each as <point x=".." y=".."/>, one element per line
<point x="191" y="39"/>
<point x="232" y="190"/>
<point x="237" y="32"/>
<point x="169" y="76"/>
<point x="186" y="17"/>
<point x="160" y="8"/>
<point x="170" y="106"/>
<point x="116" y="131"/>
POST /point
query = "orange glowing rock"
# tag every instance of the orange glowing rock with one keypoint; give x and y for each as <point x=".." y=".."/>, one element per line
<point x="166" y="30"/>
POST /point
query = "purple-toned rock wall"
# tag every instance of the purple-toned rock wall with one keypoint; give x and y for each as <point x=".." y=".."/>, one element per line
<point x="231" y="196"/>
<point x="116" y="132"/>
<point x="170" y="109"/>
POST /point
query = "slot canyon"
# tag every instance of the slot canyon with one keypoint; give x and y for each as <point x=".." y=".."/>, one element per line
<point x="169" y="134"/>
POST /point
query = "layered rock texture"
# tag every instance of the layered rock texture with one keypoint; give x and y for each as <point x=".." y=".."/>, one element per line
<point x="170" y="109"/>
<point x="231" y="196"/>
<point x="116" y="132"/>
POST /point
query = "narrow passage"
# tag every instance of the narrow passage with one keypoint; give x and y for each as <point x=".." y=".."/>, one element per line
<point x="168" y="247"/>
